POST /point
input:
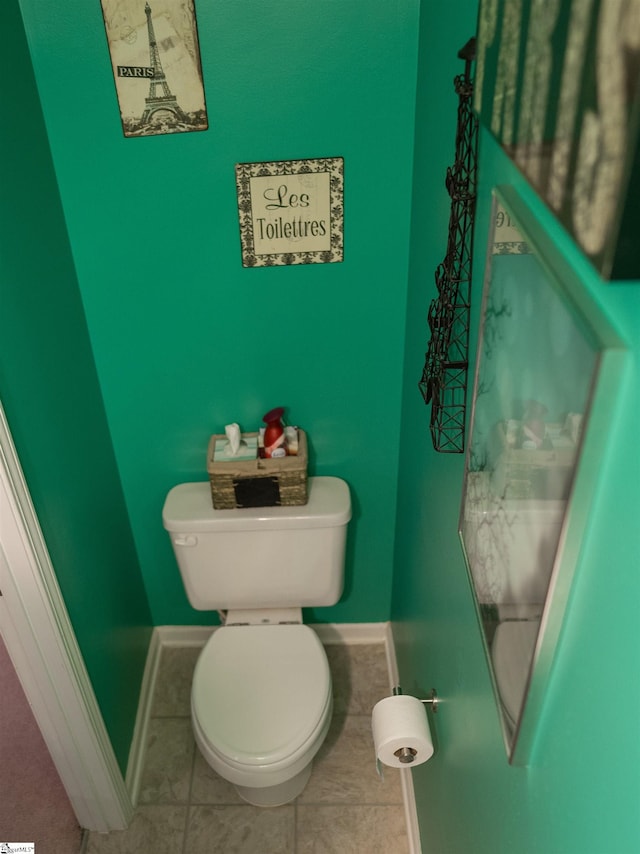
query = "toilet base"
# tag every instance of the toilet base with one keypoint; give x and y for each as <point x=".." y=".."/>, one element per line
<point x="276" y="796"/>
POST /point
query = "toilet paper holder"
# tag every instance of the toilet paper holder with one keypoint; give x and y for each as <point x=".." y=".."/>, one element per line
<point x="406" y="755"/>
<point x="432" y="699"/>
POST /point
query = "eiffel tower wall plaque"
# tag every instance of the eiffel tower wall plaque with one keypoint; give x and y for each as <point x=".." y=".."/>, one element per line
<point x="155" y="58"/>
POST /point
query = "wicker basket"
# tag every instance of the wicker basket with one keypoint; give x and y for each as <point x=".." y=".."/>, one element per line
<point x="259" y="482"/>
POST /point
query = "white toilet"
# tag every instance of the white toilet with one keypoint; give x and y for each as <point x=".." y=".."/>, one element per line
<point x="261" y="698"/>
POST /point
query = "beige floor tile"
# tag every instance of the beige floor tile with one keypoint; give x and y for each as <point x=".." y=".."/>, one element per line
<point x="209" y="788"/>
<point x="345" y="808"/>
<point x="172" y="695"/>
<point x="345" y="770"/>
<point x="168" y="762"/>
<point x="359" y="675"/>
<point x="154" y="830"/>
<point x="351" y="830"/>
<point x="241" y="830"/>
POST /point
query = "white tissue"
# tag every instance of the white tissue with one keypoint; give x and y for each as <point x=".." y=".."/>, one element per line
<point x="234" y="442"/>
<point x="574" y="426"/>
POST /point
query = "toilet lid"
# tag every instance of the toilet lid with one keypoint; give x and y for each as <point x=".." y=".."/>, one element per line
<point x="260" y="692"/>
<point x="511" y="653"/>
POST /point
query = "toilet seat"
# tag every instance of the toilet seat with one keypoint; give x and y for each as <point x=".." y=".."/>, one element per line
<point x="261" y="695"/>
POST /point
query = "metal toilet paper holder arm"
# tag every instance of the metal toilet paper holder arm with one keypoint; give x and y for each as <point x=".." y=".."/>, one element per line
<point x="432" y="699"/>
<point x="406" y="755"/>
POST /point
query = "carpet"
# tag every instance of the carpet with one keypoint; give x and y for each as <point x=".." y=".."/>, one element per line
<point x="34" y="806"/>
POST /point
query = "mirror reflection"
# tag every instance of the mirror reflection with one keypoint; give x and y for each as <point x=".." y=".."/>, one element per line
<point x="536" y="367"/>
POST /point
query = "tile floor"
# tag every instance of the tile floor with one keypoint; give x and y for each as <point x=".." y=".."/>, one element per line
<point x="186" y="808"/>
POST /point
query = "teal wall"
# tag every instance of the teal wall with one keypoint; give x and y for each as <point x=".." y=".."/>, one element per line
<point x="185" y="340"/>
<point x="581" y="794"/>
<point x="128" y="349"/>
<point x="51" y="396"/>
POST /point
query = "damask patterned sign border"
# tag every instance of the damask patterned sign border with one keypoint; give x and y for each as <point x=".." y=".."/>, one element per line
<point x="291" y="211"/>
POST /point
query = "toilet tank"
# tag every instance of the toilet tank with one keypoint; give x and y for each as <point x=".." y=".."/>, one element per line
<point x="260" y="557"/>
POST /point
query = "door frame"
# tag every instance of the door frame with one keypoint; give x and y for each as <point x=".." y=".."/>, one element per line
<point x="42" y="645"/>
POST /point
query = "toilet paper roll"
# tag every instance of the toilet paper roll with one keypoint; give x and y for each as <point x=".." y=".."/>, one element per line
<point x="401" y="733"/>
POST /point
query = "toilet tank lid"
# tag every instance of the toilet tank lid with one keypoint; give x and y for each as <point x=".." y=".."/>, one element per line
<point x="188" y="507"/>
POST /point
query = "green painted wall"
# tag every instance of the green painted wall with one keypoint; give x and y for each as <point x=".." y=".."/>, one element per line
<point x="185" y="340"/>
<point x="581" y="794"/>
<point x="52" y="400"/>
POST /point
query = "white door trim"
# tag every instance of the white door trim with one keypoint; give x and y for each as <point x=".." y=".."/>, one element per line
<point x="39" y="637"/>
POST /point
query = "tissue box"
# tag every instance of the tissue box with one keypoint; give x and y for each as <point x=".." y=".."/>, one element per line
<point x="259" y="482"/>
<point x="249" y="452"/>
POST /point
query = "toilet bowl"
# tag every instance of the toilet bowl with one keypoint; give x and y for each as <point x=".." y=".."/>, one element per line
<point x="261" y="698"/>
<point x="261" y="707"/>
<point x="512" y="652"/>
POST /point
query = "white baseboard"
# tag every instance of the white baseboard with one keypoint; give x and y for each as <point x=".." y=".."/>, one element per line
<point x="135" y="762"/>
<point x="184" y="635"/>
<point x="197" y="636"/>
<point x="350" y="633"/>
<point x="329" y="633"/>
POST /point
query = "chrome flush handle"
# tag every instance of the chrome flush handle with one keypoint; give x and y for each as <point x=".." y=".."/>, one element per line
<point x="185" y="540"/>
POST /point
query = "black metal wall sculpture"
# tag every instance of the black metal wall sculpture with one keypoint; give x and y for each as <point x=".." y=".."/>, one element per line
<point x="444" y="378"/>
